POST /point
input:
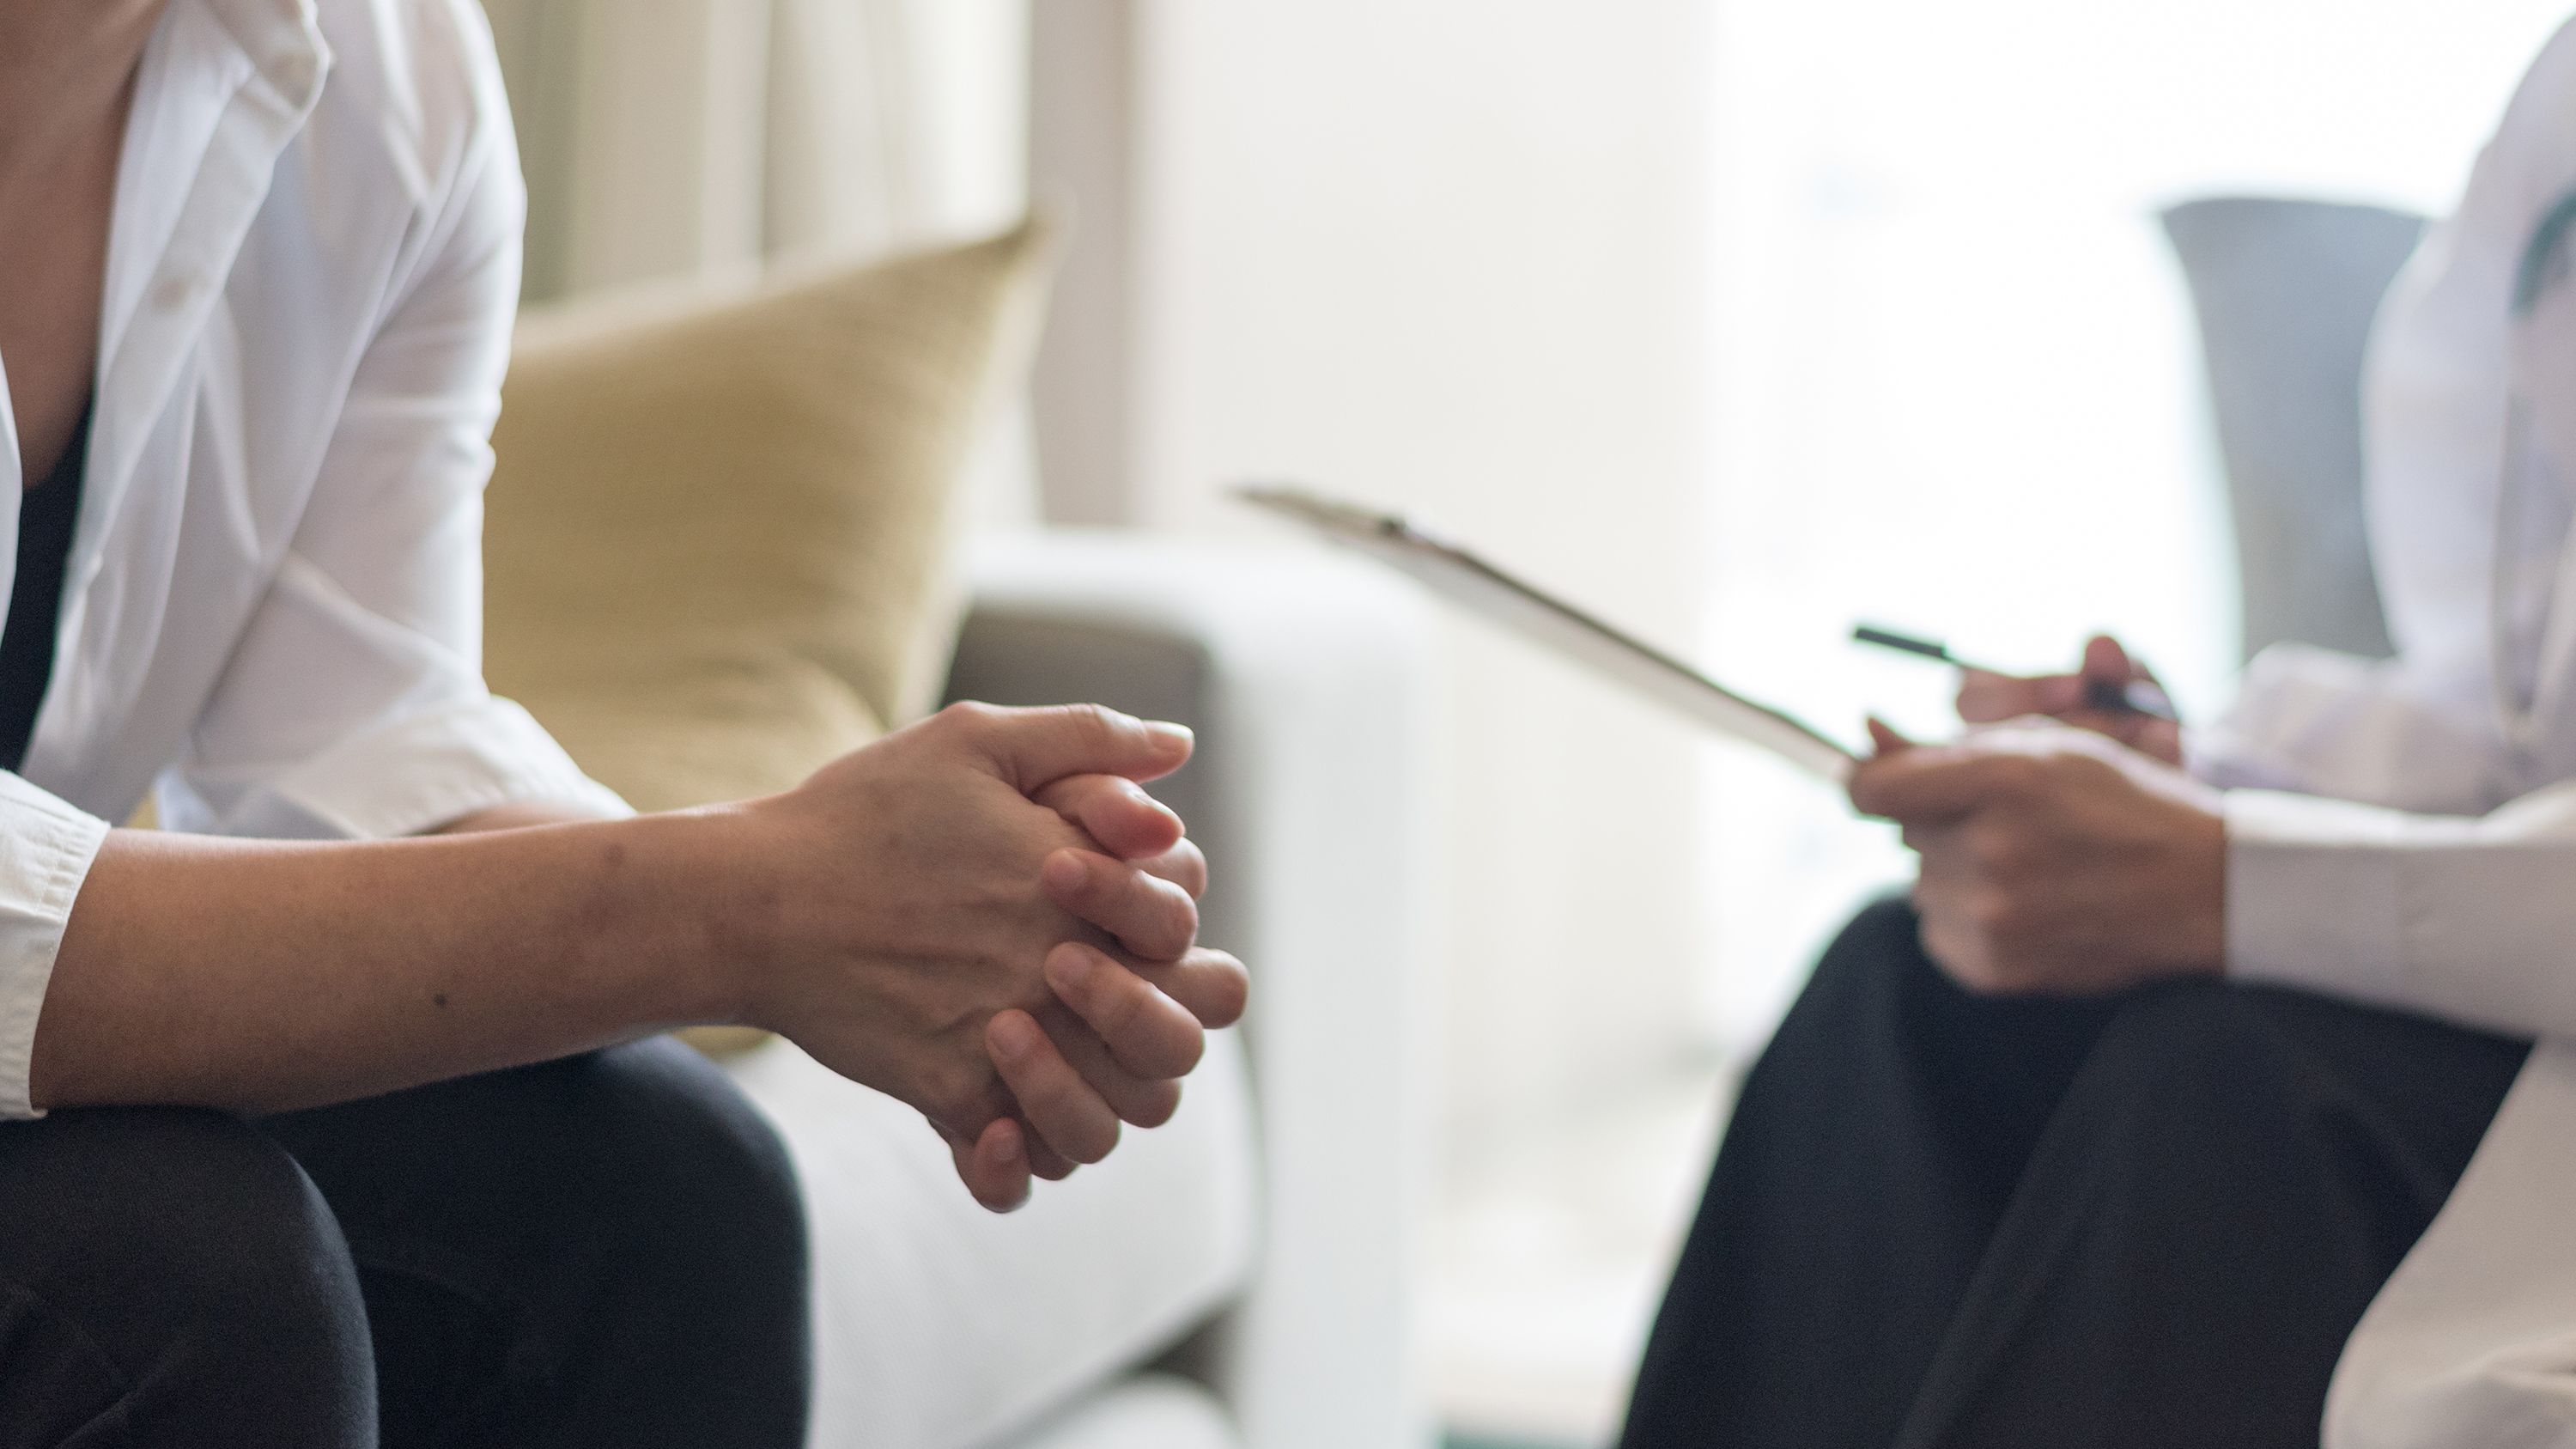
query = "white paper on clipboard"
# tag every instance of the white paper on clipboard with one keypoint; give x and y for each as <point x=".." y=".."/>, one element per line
<point x="1559" y="627"/>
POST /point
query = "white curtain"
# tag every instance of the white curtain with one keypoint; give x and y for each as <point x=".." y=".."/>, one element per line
<point x="671" y="137"/>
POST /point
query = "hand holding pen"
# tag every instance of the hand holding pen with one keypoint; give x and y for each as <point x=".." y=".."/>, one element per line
<point x="2109" y="693"/>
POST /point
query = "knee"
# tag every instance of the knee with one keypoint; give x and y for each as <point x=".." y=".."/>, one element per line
<point x="1874" y="989"/>
<point x="198" y="1257"/>
<point x="2185" y="1038"/>
<point x="692" y="1167"/>
<point x="1879" y="951"/>
<point x="1858" y="1005"/>
<point x="1885" y="928"/>
<point x="2190" y="1065"/>
<point x="231" y="1229"/>
<point x="687" y="1245"/>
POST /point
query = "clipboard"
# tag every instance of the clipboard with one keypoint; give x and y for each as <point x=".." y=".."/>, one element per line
<point x="1568" y="632"/>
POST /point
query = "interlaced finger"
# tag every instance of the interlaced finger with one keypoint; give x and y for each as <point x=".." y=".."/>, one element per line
<point x="1144" y="1101"/>
<point x="1118" y="814"/>
<point x="1211" y="985"/>
<point x="1146" y="1031"/>
<point x="1153" y="918"/>
<point x="1068" y="1114"/>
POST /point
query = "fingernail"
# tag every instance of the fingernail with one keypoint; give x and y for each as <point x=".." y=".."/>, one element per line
<point x="1069" y="969"/>
<point x="1064" y="871"/>
<point x="1013" y="1161"/>
<point x="1144" y="798"/>
<point x="1170" y="735"/>
<point x="1013" y="1037"/>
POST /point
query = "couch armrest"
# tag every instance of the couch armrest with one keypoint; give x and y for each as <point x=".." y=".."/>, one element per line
<point x="1307" y="680"/>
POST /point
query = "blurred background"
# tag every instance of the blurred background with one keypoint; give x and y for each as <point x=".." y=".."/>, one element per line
<point x="1740" y="319"/>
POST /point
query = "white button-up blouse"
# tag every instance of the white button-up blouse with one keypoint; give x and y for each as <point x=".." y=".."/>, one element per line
<point x="2411" y="840"/>
<point x="273" y="604"/>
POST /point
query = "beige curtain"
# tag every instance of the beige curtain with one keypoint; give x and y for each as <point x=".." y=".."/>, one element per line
<point x="670" y="137"/>
<point x="698" y="138"/>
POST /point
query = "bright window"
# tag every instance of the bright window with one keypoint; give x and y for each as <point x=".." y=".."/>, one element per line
<point x="1959" y="389"/>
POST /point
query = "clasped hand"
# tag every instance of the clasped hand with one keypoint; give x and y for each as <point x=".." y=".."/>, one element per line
<point x="2064" y="851"/>
<point x="987" y="917"/>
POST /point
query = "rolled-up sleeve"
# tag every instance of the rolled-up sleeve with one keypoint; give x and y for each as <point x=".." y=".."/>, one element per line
<point x="46" y="847"/>
<point x="354" y="704"/>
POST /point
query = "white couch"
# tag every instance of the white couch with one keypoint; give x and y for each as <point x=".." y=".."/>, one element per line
<point x="1240" y="1278"/>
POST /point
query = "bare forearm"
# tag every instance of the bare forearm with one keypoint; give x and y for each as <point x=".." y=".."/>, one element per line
<point x="895" y="916"/>
<point x="264" y="976"/>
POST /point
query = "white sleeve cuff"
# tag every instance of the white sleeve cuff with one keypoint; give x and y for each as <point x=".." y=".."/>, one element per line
<point x="46" y="848"/>
<point x="2465" y="920"/>
<point x="415" y="774"/>
<point x="2318" y="892"/>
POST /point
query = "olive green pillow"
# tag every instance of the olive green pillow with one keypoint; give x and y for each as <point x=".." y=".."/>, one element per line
<point x="720" y="538"/>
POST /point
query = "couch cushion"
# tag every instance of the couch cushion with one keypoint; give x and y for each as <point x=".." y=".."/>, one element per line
<point x="719" y="534"/>
<point x="941" y="1326"/>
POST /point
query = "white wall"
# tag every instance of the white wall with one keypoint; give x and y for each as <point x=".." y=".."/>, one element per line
<point x="1445" y="255"/>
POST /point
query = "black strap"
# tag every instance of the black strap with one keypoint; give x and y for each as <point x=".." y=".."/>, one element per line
<point x="47" y="515"/>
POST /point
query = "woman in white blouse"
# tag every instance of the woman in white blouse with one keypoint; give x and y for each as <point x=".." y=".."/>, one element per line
<point x="2216" y="1090"/>
<point x="258" y="262"/>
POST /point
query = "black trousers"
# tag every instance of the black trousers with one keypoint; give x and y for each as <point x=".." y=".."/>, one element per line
<point x="1941" y="1221"/>
<point x="606" y="1250"/>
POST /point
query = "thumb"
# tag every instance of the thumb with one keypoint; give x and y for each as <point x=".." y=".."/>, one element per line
<point x="1884" y="736"/>
<point x="995" y="1166"/>
<point x="2105" y="659"/>
<point x="1116" y="812"/>
<point x="1893" y="756"/>
<point x="1034" y="748"/>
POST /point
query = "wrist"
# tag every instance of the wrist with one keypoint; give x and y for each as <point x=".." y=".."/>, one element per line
<point x="2200" y="922"/>
<point x="692" y="915"/>
<point x="2186" y="868"/>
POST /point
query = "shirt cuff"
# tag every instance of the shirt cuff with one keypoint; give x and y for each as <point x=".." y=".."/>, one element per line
<point x="2317" y="892"/>
<point x="46" y="848"/>
<point x="415" y="774"/>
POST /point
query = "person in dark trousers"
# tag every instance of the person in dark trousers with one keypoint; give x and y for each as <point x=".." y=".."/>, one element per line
<point x="1942" y="1218"/>
<point x="2214" y="1096"/>
<point x="335" y="1113"/>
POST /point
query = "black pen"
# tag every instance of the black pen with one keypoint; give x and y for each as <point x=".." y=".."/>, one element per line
<point x="2137" y="696"/>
